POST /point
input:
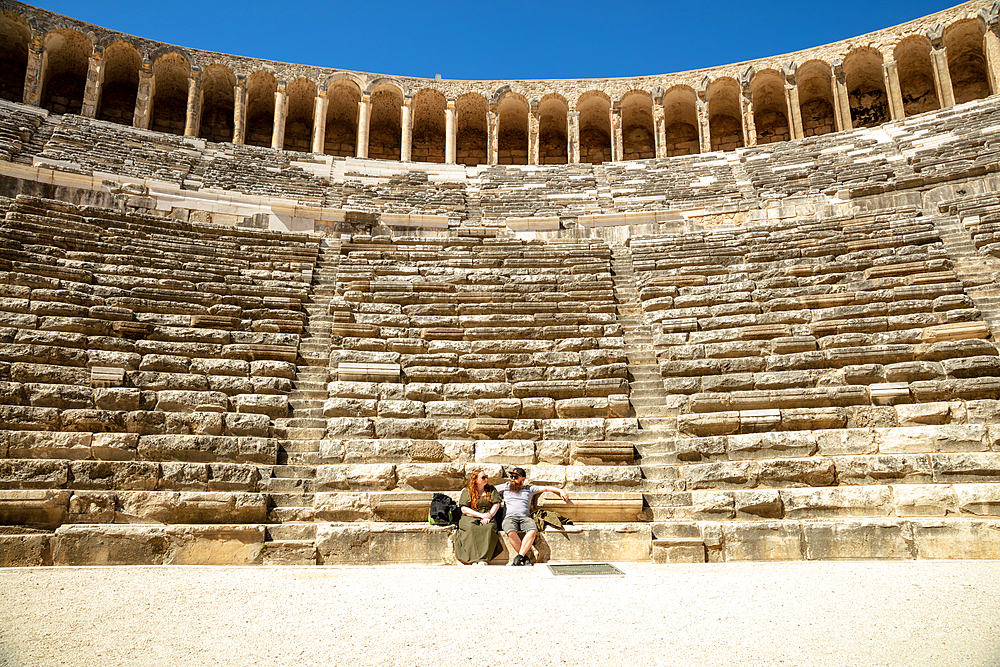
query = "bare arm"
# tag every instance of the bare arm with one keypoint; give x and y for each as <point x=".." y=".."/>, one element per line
<point x="559" y="492"/>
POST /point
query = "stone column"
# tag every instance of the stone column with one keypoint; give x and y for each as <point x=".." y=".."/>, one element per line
<point x="493" y="138"/>
<point x="406" y="123"/>
<point x="364" y="114"/>
<point x="617" y="143"/>
<point x="659" y="123"/>
<point x="240" y="111"/>
<point x="95" y="77"/>
<point x="319" y="122"/>
<point x="939" y="67"/>
<point x="533" y="131"/>
<point x="842" y="102"/>
<point x="573" y="134"/>
<point x="192" y="122"/>
<point x="144" y="96"/>
<point x="746" y="111"/>
<point x="890" y="75"/>
<point x="33" y="76"/>
<point x="280" y="113"/>
<point x="450" y="133"/>
<point x="704" y="128"/>
<point x="795" y="129"/>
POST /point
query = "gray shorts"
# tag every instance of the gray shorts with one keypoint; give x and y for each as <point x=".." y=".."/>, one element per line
<point x="518" y="522"/>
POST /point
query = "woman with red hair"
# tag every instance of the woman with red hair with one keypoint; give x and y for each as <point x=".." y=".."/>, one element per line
<point x="477" y="540"/>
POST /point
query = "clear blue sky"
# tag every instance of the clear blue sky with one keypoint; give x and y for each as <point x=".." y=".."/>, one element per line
<point x="486" y="39"/>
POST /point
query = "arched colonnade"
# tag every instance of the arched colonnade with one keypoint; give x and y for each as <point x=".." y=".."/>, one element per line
<point x="345" y="114"/>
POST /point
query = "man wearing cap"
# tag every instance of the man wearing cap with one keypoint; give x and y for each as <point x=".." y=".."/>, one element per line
<point x="517" y="499"/>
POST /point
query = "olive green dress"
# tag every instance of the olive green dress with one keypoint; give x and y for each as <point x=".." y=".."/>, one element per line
<point x="476" y="541"/>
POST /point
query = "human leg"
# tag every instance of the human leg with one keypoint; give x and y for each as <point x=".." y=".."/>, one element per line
<point x="529" y="539"/>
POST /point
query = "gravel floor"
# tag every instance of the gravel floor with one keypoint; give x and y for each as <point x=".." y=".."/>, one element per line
<point x="809" y="614"/>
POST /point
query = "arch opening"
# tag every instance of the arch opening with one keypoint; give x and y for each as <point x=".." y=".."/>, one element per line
<point x="301" y="101"/>
<point x="916" y="75"/>
<point x="218" y="103"/>
<point x="122" y="63"/>
<point x="638" y="135"/>
<point x="815" y="83"/>
<point x="770" y="110"/>
<point x="473" y="135"/>
<point x="595" y="127"/>
<point x="385" y="134"/>
<point x="343" y="98"/>
<point x="512" y="145"/>
<point x="553" y="113"/>
<point x="14" y="39"/>
<point x="261" y="87"/>
<point x="429" y="126"/>
<point x="680" y="118"/>
<point x="724" y="118"/>
<point x="171" y="73"/>
<point x="964" y="45"/>
<point x="67" y="60"/>
<point x="866" y="88"/>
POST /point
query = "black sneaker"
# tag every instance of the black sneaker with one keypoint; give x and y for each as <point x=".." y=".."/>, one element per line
<point x="519" y="560"/>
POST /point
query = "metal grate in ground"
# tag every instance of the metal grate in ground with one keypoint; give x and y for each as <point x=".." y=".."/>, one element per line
<point x="585" y="570"/>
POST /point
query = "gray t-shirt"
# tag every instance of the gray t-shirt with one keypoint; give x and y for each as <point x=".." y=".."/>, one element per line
<point x="518" y="502"/>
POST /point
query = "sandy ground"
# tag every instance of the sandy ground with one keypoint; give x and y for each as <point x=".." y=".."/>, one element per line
<point x="803" y="614"/>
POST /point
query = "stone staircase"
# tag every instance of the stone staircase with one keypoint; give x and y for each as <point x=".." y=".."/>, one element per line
<point x="291" y="483"/>
<point x="976" y="271"/>
<point x="657" y="427"/>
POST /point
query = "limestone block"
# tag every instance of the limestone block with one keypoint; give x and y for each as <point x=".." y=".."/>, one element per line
<point x="924" y="500"/>
<point x="978" y="499"/>
<point x="42" y="445"/>
<point x="91" y="420"/>
<point x="966" y="467"/>
<point x="109" y="545"/>
<point x="600" y="478"/>
<point x="913" y="371"/>
<point x="969" y="347"/>
<point x="349" y="407"/>
<point x="331" y="451"/>
<point x="395" y="543"/>
<point x="449" y="476"/>
<point x="33" y="474"/>
<point x="504" y="408"/>
<point x="469" y="391"/>
<point x="859" y="539"/>
<point x="845" y="442"/>
<point x="345" y="428"/>
<point x="547" y="475"/>
<point x="596" y="507"/>
<point x="213" y="545"/>
<point x="188" y="448"/>
<point x="758" y="504"/>
<point x="115" y="446"/>
<point x="191" y="401"/>
<point x="602" y="451"/>
<point x="41" y="507"/>
<point x="243" y="424"/>
<point x="402" y="505"/>
<point x="423" y="391"/>
<point x="24" y="418"/>
<point x="943" y="438"/>
<point x="288" y="553"/>
<point x="579" y="408"/>
<point x="211" y="366"/>
<point x="400" y="409"/>
<point x="538" y="408"/>
<point x="447" y="409"/>
<point x="856" y="501"/>
<point x="554" y="452"/>
<point x="601" y="543"/>
<point x="356" y="477"/>
<point x="29" y="550"/>
<point x="58" y="396"/>
<point x="341" y="507"/>
<point x="232" y="477"/>
<point x="797" y="472"/>
<point x="784" y="444"/>
<point x="219" y="507"/>
<point x="421" y="429"/>
<point x="513" y="452"/>
<point x="274" y="406"/>
<point x="361" y="390"/>
<point x="712" y="505"/>
<point x="926" y="413"/>
<point x="573" y="429"/>
<point x="165" y="363"/>
<point x="450" y="429"/>
<point x="722" y="475"/>
<point x="882" y="468"/>
<point x="762" y="541"/>
<point x="343" y="545"/>
<point x="182" y="476"/>
<point x="276" y="369"/>
<point x="116" y="398"/>
<point x="953" y="538"/>
<point x="93" y="507"/>
<point x="700" y="425"/>
<point x="969" y="367"/>
<point x="678" y="550"/>
<point x="128" y="475"/>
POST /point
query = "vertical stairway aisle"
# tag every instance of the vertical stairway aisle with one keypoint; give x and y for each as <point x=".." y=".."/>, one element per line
<point x="290" y="486"/>
<point x="657" y="425"/>
<point x="976" y="271"/>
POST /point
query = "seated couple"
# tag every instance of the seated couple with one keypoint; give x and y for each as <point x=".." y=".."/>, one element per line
<point x="477" y="540"/>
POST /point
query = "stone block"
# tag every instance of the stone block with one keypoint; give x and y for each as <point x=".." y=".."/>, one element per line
<point x="978" y="499"/>
<point x="344" y="507"/>
<point x="722" y="475"/>
<point x="702" y="425"/>
<point x="346" y="428"/>
<point x="758" y="504"/>
<point x="47" y="445"/>
<point x="782" y="444"/>
<point x="800" y="472"/>
<point x="274" y="406"/>
<point x="33" y="474"/>
<point x="966" y="467"/>
<point x="957" y="538"/>
<point x="356" y="477"/>
<point x="601" y="478"/>
<point x="33" y="507"/>
<point x="925" y="413"/>
<point x="403" y="505"/>
<point x="943" y="438"/>
<point x="573" y="429"/>
<point x="391" y="544"/>
<point x="934" y="500"/>
<point x="88" y="545"/>
<point x="628" y="542"/>
<point x="431" y="476"/>
<point x="514" y="452"/>
<point x="847" y="502"/>
<point x="856" y="539"/>
<point x="30" y="550"/>
<point x="762" y="541"/>
<point x="613" y="507"/>
<point x="343" y="545"/>
<point x="712" y="505"/>
<point x="192" y="401"/>
<point x="883" y="468"/>
<point x="845" y="442"/>
<point x="214" y="545"/>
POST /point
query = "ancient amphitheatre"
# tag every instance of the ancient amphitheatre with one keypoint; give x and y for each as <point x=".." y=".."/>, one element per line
<point x="258" y="313"/>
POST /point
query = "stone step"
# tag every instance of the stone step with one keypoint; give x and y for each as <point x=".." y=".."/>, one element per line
<point x="293" y="472"/>
<point x="291" y="499"/>
<point x="281" y="515"/>
<point x="291" y="532"/>
<point x="307" y="434"/>
<point x="306" y="423"/>
<point x="310" y="458"/>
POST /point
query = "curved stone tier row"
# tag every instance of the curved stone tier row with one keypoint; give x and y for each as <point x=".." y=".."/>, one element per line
<point x="67" y="66"/>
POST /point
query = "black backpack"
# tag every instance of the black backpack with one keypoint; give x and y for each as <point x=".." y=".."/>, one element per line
<point x="444" y="511"/>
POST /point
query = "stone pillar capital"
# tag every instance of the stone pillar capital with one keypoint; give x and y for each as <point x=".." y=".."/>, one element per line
<point x="936" y="35"/>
